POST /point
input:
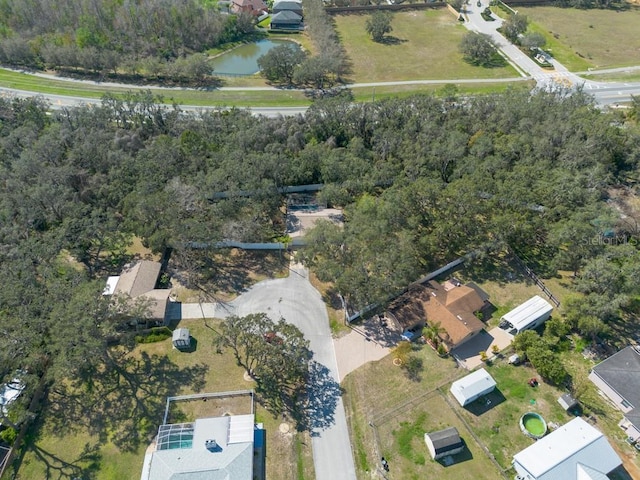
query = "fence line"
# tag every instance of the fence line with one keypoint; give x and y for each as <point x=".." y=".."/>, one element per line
<point x="197" y="396"/>
<point x="475" y="437"/>
<point x="539" y="283"/>
<point x="5" y="459"/>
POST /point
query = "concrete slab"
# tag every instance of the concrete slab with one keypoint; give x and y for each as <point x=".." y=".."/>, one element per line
<point x="188" y="311"/>
<point x="468" y="354"/>
<point x="354" y="350"/>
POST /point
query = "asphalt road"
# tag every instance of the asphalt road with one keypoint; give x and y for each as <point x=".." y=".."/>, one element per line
<point x="294" y="299"/>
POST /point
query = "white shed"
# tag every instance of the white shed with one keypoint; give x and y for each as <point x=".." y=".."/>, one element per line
<point x="181" y="338"/>
<point x="473" y="386"/>
<point x="530" y="315"/>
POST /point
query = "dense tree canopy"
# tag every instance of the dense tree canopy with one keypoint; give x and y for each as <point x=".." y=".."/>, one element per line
<point x="131" y="37"/>
<point x="421" y="181"/>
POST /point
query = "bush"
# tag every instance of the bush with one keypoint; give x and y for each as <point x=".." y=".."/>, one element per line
<point x="402" y="351"/>
<point x="156" y="334"/>
<point x="8" y="435"/>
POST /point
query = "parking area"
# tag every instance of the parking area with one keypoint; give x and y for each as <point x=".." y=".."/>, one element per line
<point x="468" y="354"/>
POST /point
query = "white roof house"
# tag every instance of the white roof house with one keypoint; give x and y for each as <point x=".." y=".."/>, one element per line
<point x="217" y="448"/>
<point x="474" y="385"/>
<point x="575" y="451"/>
<point x="530" y="314"/>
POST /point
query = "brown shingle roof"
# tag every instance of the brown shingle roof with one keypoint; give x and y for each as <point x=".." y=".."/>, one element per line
<point x="138" y="278"/>
<point x="453" y="309"/>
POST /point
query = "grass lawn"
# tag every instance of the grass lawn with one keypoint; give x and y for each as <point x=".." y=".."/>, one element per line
<point x="211" y="98"/>
<point x="402" y="444"/>
<point x="422" y="45"/>
<point x="381" y="392"/>
<point x="97" y="456"/>
<point x="597" y="38"/>
<point x="508" y="286"/>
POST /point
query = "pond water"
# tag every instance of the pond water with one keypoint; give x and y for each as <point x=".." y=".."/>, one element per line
<point x="244" y="59"/>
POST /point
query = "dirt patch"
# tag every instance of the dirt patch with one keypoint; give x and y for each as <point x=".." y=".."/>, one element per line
<point x="221" y="275"/>
<point x="627" y="202"/>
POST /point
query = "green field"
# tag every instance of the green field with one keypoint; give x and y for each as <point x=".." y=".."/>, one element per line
<point x="422" y="45"/>
<point x="79" y="452"/>
<point x="595" y="38"/>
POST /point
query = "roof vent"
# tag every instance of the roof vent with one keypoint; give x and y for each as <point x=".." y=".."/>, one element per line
<point x="211" y="445"/>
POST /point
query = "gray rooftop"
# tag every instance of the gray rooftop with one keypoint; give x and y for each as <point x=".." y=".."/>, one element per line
<point x="138" y="278"/>
<point x="231" y="460"/>
<point x="621" y="371"/>
<point x="447" y="439"/>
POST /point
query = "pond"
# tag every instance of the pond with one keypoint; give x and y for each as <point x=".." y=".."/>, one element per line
<point x="244" y="59"/>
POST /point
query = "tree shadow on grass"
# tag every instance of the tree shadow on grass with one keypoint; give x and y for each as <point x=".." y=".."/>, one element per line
<point x="391" y="40"/>
<point x="123" y="401"/>
<point x="83" y="467"/>
<point x="318" y="410"/>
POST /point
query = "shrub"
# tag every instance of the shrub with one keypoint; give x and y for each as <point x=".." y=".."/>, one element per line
<point x="401" y="352"/>
<point x="8" y="435"/>
<point x="156" y="334"/>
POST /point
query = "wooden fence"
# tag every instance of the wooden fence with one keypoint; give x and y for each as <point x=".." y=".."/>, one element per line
<point x="531" y="274"/>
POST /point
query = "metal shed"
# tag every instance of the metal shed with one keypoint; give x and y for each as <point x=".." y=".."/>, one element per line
<point x="530" y="315"/>
<point x="181" y="338"/>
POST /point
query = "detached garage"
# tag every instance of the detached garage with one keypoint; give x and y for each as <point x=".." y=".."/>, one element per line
<point x="473" y="386"/>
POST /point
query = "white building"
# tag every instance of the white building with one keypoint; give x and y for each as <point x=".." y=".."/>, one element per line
<point x="530" y="315"/>
<point x="473" y="386"/>
<point x="575" y="451"/>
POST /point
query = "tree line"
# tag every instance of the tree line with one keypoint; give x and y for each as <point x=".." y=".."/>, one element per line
<point x="150" y="37"/>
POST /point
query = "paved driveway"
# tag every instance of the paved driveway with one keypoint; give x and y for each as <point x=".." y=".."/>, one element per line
<point x="468" y="354"/>
<point x="295" y="299"/>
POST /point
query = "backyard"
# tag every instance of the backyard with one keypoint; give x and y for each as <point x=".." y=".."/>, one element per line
<point x="422" y="45"/>
<point x="389" y="414"/>
<point x="84" y="451"/>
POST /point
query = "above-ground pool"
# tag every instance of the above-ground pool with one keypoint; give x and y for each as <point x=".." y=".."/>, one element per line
<point x="533" y="425"/>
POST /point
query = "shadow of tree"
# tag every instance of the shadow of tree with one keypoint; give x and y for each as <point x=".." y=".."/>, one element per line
<point x="224" y="270"/>
<point x="317" y="411"/>
<point x="58" y="469"/>
<point x="391" y="40"/>
<point x="123" y="400"/>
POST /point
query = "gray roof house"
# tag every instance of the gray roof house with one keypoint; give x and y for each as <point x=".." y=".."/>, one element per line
<point x="618" y="378"/>
<point x="216" y="448"/>
<point x="444" y="442"/>
<point x="286" y="20"/>
<point x="139" y="280"/>
<point x="287" y="5"/>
